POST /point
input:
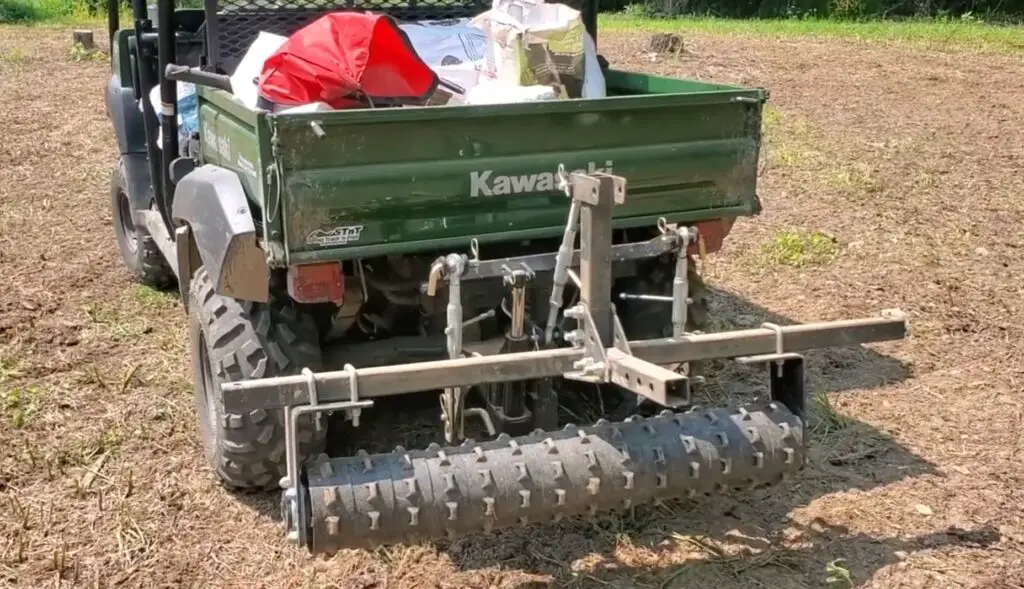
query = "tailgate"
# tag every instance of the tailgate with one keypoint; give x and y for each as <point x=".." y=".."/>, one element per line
<point x="370" y="182"/>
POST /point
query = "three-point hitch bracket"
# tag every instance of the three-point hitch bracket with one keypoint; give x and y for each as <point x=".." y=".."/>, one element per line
<point x="595" y="196"/>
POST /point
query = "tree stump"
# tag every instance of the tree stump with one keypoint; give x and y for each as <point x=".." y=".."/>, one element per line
<point x="85" y="39"/>
<point x="665" y="43"/>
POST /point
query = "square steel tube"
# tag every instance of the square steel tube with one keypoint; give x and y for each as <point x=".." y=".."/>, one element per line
<point x="384" y="381"/>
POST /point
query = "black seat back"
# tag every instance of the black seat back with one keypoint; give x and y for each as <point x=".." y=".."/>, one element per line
<point x="232" y="25"/>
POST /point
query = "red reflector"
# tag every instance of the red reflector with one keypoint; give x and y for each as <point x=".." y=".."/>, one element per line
<point x="316" y="283"/>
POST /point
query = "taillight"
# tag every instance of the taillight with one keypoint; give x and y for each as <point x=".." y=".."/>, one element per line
<point x="316" y="283"/>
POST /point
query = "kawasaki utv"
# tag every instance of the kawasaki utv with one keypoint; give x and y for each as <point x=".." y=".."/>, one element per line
<point x="327" y="260"/>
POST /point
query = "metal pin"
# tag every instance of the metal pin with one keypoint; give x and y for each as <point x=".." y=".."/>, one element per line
<point x="414" y="516"/>
<point x="333" y="523"/>
<point x="524" y="498"/>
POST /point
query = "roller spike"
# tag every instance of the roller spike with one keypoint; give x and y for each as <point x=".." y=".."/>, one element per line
<point x="367" y="461"/>
<point x="552" y="447"/>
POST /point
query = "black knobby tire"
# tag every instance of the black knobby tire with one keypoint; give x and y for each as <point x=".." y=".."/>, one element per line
<point x="237" y="340"/>
<point x="141" y="256"/>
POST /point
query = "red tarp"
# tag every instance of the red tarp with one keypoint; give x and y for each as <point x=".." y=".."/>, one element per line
<point x="347" y="60"/>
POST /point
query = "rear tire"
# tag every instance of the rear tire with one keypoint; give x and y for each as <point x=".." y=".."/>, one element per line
<point x="141" y="256"/>
<point x="237" y="340"/>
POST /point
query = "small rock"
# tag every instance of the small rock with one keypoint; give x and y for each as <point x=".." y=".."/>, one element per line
<point x="900" y="555"/>
<point x="981" y="251"/>
<point x="923" y="509"/>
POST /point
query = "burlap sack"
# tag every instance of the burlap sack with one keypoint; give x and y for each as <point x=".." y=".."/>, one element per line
<point x="535" y="43"/>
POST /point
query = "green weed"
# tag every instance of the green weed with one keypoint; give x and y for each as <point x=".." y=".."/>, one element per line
<point x="799" y="248"/>
<point x="20" y="405"/>
<point x="14" y="55"/>
<point x="827" y="420"/>
<point x="838" y="574"/>
<point x="151" y="298"/>
<point x="80" y="53"/>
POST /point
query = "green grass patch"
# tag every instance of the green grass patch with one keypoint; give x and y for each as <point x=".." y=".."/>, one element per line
<point x="944" y="32"/>
<point x="14" y="55"/>
<point x="9" y="369"/>
<point x="91" y="12"/>
<point x="20" y="405"/>
<point x="799" y="249"/>
<point x="153" y="299"/>
<point x="789" y="141"/>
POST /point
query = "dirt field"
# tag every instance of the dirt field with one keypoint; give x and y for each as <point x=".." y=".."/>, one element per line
<point x="910" y="163"/>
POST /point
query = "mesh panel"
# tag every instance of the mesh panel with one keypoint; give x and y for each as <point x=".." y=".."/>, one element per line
<point x="233" y="25"/>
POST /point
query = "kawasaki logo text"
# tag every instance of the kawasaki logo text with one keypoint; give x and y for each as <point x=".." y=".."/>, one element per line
<point x="487" y="183"/>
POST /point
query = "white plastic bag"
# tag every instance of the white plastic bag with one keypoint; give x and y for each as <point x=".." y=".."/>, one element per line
<point x="454" y="48"/>
<point x="498" y="92"/>
<point x="188" y="112"/>
<point x="307" y="108"/>
<point x="594" y="85"/>
<point x="446" y="42"/>
<point x="245" y="80"/>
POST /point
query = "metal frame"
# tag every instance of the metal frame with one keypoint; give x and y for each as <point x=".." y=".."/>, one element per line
<point x="386" y="381"/>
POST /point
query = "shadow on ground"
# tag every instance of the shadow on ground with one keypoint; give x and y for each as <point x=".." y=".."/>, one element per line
<point x="728" y="537"/>
<point x="828" y="370"/>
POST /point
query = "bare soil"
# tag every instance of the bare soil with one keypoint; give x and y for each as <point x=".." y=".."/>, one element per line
<point x="909" y="161"/>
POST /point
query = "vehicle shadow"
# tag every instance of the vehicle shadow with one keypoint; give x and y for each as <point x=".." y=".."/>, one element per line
<point x="827" y="370"/>
<point x="708" y="541"/>
<point x="710" y="555"/>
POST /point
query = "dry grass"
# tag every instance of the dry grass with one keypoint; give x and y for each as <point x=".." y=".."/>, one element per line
<point x="910" y="162"/>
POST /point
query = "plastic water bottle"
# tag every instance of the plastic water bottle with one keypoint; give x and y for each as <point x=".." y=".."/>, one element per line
<point x="188" y="109"/>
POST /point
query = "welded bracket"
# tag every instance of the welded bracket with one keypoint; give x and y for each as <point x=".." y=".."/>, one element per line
<point x="785" y="372"/>
<point x="295" y="508"/>
<point x="598" y="323"/>
<point x="661" y="385"/>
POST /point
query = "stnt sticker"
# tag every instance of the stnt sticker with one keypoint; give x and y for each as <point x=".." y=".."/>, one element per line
<point x="335" y="237"/>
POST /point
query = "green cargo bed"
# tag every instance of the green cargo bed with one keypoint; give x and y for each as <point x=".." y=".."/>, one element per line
<point x="358" y="183"/>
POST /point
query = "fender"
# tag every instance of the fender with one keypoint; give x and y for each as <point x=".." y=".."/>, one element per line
<point x="123" y="111"/>
<point x="212" y="202"/>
